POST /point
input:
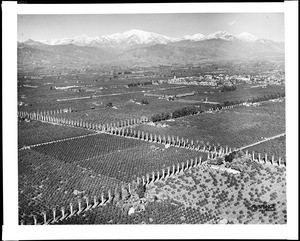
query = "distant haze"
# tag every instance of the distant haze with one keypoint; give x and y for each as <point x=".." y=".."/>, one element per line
<point x="47" y="27"/>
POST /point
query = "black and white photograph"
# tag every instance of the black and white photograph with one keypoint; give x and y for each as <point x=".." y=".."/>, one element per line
<point x="169" y="118"/>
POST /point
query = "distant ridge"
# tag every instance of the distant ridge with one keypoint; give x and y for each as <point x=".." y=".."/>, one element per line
<point x="140" y="37"/>
<point x="140" y="48"/>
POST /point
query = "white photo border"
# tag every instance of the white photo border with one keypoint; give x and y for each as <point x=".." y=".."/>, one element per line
<point x="11" y="229"/>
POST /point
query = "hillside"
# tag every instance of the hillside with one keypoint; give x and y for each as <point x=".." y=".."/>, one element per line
<point x="140" y="48"/>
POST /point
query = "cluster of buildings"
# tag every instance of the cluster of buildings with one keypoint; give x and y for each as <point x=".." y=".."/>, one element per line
<point x="215" y="80"/>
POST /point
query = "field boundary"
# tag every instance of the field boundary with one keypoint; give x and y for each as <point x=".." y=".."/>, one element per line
<point x="262" y="141"/>
<point x="223" y="106"/>
<point x="60" y="140"/>
<point x="119" y="129"/>
<point x="144" y="180"/>
<point x="108" y="197"/>
<point x="265" y="159"/>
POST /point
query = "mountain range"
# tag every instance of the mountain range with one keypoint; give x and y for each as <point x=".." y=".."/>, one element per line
<point x="137" y="47"/>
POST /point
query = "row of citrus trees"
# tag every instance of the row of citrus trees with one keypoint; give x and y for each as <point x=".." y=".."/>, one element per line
<point x="170" y="141"/>
<point x="47" y="116"/>
<point x="117" y="129"/>
<point x="112" y="196"/>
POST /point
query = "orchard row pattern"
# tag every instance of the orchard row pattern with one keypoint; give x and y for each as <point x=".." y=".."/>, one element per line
<point x="58" y="214"/>
<point x="276" y="146"/>
<point x="47" y="182"/>
<point x="36" y="132"/>
<point x="78" y="123"/>
<point x="207" y="215"/>
<point x="113" y="127"/>
<point x="100" y="159"/>
<point x="146" y="180"/>
<point x="47" y="116"/>
<point x="236" y="127"/>
<point x="116" y="156"/>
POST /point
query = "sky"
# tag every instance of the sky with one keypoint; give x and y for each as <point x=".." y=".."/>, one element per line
<point x="47" y="27"/>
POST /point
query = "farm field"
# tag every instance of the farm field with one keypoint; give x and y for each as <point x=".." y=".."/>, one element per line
<point x="35" y="132"/>
<point x="158" y="212"/>
<point x="46" y="183"/>
<point x="203" y="195"/>
<point x="126" y="110"/>
<point x="125" y="104"/>
<point x="124" y="107"/>
<point x="53" y="175"/>
<point x="243" y="92"/>
<point x="68" y="99"/>
<point x="117" y="157"/>
<point x="276" y="147"/>
<point x="71" y="151"/>
<point x="138" y="161"/>
<point x="228" y="196"/>
<point x="235" y="127"/>
<point x="110" y="178"/>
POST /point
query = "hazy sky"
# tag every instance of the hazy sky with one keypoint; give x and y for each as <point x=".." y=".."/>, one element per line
<point x="46" y="27"/>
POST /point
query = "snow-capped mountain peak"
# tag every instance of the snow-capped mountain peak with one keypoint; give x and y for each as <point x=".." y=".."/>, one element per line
<point x="81" y="40"/>
<point x="143" y="37"/>
<point x="195" y="37"/>
<point x="186" y="37"/>
<point x="247" y="37"/>
<point x="137" y="32"/>
<point x="134" y="36"/>
<point x="140" y="37"/>
<point x="198" y="36"/>
<point x="221" y="35"/>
